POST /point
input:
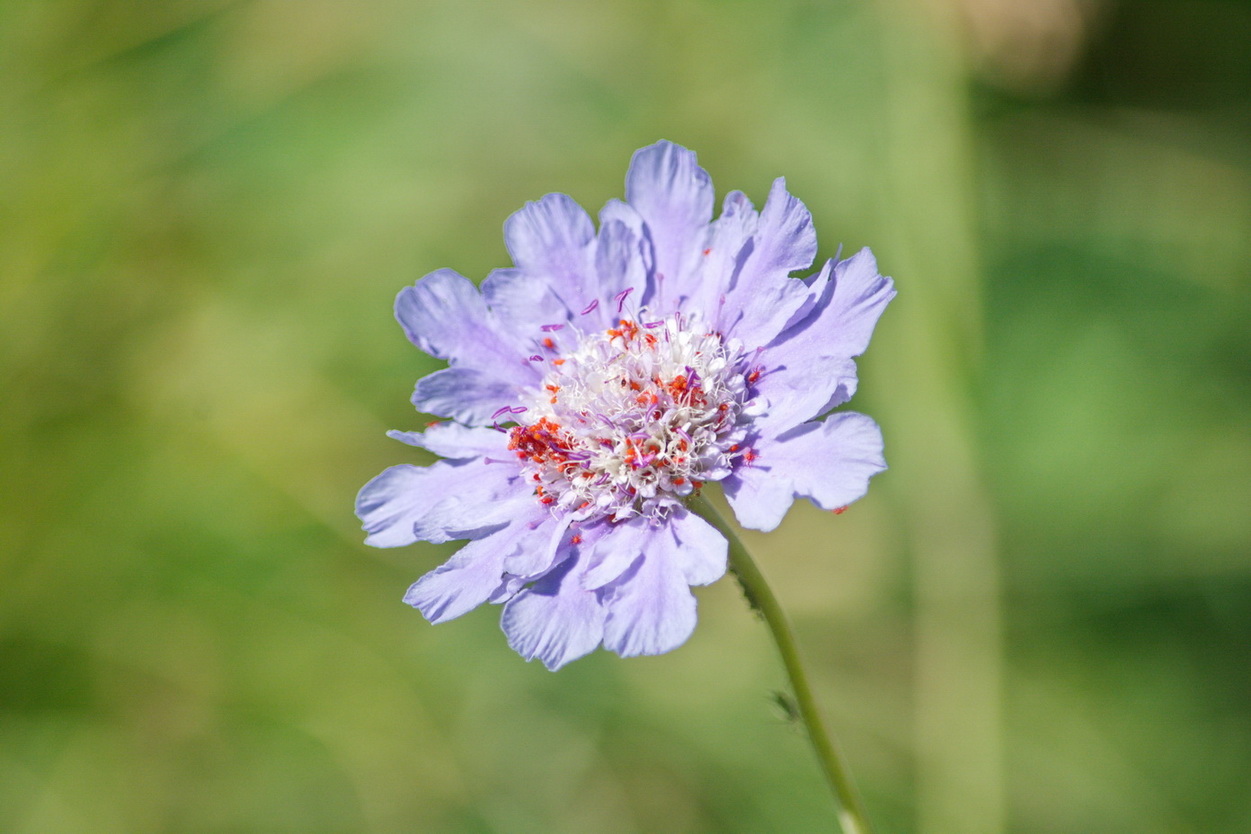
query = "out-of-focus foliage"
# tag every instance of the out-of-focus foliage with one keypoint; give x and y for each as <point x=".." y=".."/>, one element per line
<point x="206" y="209"/>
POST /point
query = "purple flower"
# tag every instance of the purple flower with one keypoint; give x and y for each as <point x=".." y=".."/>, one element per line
<point x="604" y="379"/>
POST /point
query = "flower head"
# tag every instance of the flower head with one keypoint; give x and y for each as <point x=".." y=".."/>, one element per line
<point x="606" y="378"/>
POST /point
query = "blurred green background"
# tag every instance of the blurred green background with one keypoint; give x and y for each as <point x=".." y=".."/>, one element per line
<point x="1039" y="620"/>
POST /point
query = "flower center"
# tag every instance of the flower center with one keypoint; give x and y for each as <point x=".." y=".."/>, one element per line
<point x="634" y="418"/>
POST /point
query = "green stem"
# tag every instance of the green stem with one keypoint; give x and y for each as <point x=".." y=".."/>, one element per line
<point x="851" y="813"/>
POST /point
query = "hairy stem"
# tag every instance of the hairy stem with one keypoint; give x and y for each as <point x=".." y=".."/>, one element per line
<point x="851" y="813"/>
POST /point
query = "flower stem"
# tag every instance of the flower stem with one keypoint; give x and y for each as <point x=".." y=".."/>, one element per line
<point x="851" y="814"/>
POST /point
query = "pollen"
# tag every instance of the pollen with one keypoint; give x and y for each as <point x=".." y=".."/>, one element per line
<point x="633" y="418"/>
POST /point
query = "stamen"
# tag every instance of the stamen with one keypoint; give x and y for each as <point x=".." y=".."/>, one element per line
<point x="628" y="424"/>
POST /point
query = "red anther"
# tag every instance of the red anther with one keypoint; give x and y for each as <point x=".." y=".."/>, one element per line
<point x="552" y="388"/>
<point x="750" y="455"/>
<point x="548" y="343"/>
<point x="614" y="333"/>
<point x="697" y="484"/>
<point x="651" y="340"/>
<point x="558" y="361"/>
<point x="583" y="506"/>
<point x="707" y="251"/>
<point x="679" y="481"/>
<point x="839" y="510"/>
<point x="734" y="447"/>
<point x="754" y="375"/>
<point x="576" y="539"/>
<point x="547" y="499"/>
<point x="552" y="401"/>
<point x="543" y="442"/>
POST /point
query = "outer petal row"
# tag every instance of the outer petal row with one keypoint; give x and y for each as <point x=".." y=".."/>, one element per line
<point x="449" y="500"/>
<point x="829" y="462"/>
<point x="556" y="619"/>
<point x="761" y="296"/>
<point x="454" y="441"/>
<point x="808" y="368"/>
<point x="444" y="315"/>
<point x="568" y="270"/>
<point x="645" y="607"/>
<point x="485" y="567"/>
<point x="554" y="239"/>
<point x="674" y="196"/>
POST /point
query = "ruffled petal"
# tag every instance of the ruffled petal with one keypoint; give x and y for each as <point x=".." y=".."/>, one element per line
<point x="444" y="315"/>
<point x="544" y="549"/>
<point x="438" y="503"/>
<point x="700" y="550"/>
<point x="612" y="554"/>
<point x="620" y="265"/>
<point x="651" y="609"/>
<point x="674" y="196"/>
<point x="808" y="369"/>
<point x="763" y="296"/>
<point x="728" y="247"/>
<point x="556" y="619"/>
<point x="617" y="211"/>
<point x="691" y="543"/>
<point x="829" y="462"/>
<point x="466" y="580"/>
<point x="857" y="295"/>
<point x="454" y="441"/>
<point x="523" y="303"/>
<point x="806" y="387"/>
<point x="467" y="395"/>
<point x="554" y="239"/>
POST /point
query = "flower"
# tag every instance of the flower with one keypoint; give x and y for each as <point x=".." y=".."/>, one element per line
<point x="603" y="380"/>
